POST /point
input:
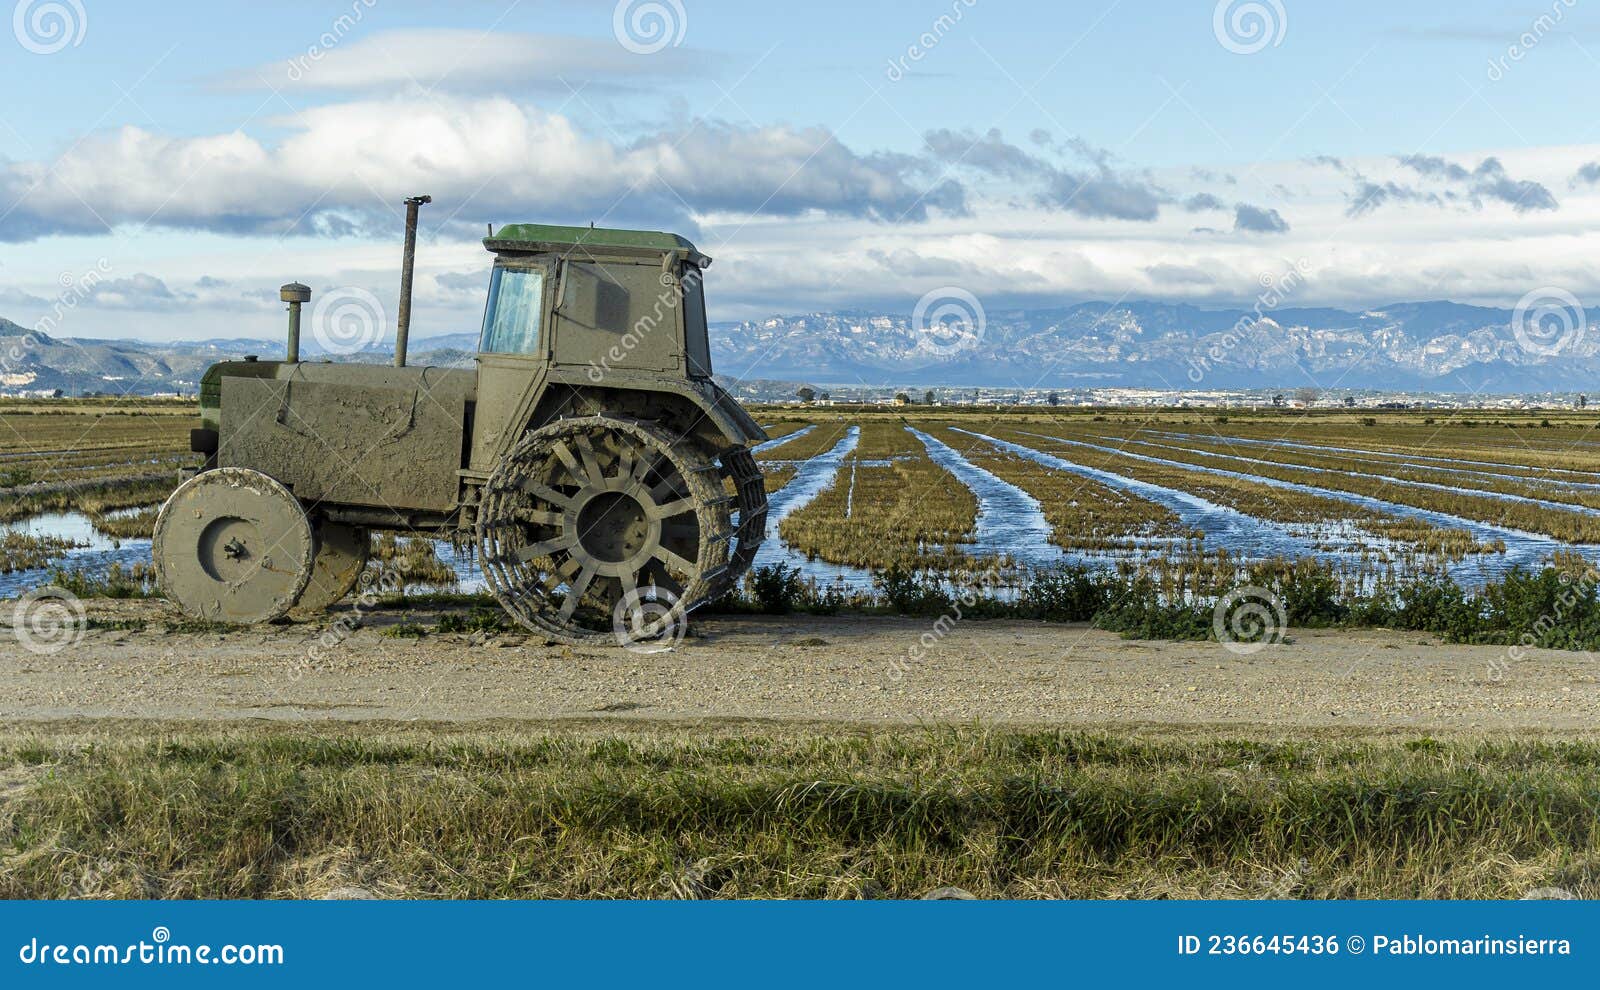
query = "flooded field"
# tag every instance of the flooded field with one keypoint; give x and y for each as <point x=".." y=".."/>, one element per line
<point x="857" y="492"/>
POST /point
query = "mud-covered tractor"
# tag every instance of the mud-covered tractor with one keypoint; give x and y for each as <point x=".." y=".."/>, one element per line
<point x="604" y="480"/>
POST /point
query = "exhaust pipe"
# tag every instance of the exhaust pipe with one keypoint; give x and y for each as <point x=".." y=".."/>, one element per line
<point x="402" y="329"/>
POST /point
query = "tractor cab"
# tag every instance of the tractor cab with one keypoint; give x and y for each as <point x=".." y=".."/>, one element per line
<point x="592" y="298"/>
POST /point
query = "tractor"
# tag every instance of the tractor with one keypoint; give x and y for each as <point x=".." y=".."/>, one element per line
<point x="603" y="480"/>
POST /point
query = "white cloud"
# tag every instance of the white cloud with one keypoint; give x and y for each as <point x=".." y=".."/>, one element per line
<point x="464" y="60"/>
<point x="344" y="168"/>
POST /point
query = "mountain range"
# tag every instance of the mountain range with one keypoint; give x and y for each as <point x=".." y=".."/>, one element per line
<point x="1426" y="346"/>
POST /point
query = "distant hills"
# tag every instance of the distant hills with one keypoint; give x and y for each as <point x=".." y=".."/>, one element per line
<point x="34" y="363"/>
<point x="1427" y="346"/>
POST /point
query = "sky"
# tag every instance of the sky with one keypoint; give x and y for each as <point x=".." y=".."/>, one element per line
<point x="164" y="168"/>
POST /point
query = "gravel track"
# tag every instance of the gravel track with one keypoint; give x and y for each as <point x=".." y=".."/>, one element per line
<point x="796" y="669"/>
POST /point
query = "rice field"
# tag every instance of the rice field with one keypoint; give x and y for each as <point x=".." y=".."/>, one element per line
<point x="80" y="481"/>
<point x="1377" y="496"/>
<point x="860" y="491"/>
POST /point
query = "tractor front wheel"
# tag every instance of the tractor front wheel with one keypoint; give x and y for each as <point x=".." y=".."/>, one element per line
<point x="233" y="545"/>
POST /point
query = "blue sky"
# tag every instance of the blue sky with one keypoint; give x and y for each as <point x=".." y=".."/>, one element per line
<point x="201" y="154"/>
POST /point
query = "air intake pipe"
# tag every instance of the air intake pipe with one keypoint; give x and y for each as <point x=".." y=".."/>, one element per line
<point x="294" y="294"/>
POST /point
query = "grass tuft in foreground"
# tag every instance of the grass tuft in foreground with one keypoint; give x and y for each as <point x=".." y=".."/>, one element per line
<point x="281" y="813"/>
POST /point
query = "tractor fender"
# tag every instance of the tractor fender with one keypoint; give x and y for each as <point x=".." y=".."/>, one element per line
<point x="717" y="418"/>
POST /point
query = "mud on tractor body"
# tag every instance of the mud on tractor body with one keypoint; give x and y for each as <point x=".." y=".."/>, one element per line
<point x="604" y="479"/>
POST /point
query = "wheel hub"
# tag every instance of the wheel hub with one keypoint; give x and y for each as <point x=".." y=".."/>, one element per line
<point x="613" y="527"/>
<point x="224" y="549"/>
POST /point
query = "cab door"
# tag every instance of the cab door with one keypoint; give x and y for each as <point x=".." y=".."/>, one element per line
<point x="513" y="354"/>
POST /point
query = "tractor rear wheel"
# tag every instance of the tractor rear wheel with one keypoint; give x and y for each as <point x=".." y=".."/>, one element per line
<point x="589" y="523"/>
<point x="233" y="545"/>
<point x="740" y="466"/>
<point x="342" y="554"/>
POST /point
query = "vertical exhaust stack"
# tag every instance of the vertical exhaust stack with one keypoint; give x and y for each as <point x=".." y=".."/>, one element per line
<point x="294" y="294"/>
<point x="402" y="330"/>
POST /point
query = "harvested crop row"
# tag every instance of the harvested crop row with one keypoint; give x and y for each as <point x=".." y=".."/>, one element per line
<point x="777" y="475"/>
<point x="818" y="441"/>
<point x="78" y="432"/>
<point x="25" y="551"/>
<point x="15" y="479"/>
<point x="1083" y="514"/>
<point x="1258" y="500"/>
<point x="908" y="513"/>
<point x="777" y="431"/>
<point x="138" y="525"/>
<point x="1434" y="459"/>
<point x="1463" y="478"/>
<point x="1560" y="524"/>
<point x="92" y="498"/>
<point x="1531" y="449"/>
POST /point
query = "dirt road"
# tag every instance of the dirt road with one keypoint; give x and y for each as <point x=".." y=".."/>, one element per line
<point x="796" y="669"/>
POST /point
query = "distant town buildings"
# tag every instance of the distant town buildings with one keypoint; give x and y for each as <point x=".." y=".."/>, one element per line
<point x="903" y="395"/>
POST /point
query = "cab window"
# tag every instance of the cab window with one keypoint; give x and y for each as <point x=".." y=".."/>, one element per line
<point x="696" y="344"/>
<point x="511" y="320"/>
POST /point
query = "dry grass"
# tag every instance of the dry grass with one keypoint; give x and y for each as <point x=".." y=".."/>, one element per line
<point x="657" y="813"/>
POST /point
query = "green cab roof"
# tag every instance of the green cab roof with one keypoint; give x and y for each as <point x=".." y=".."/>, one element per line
<point x="535" y="235"/>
